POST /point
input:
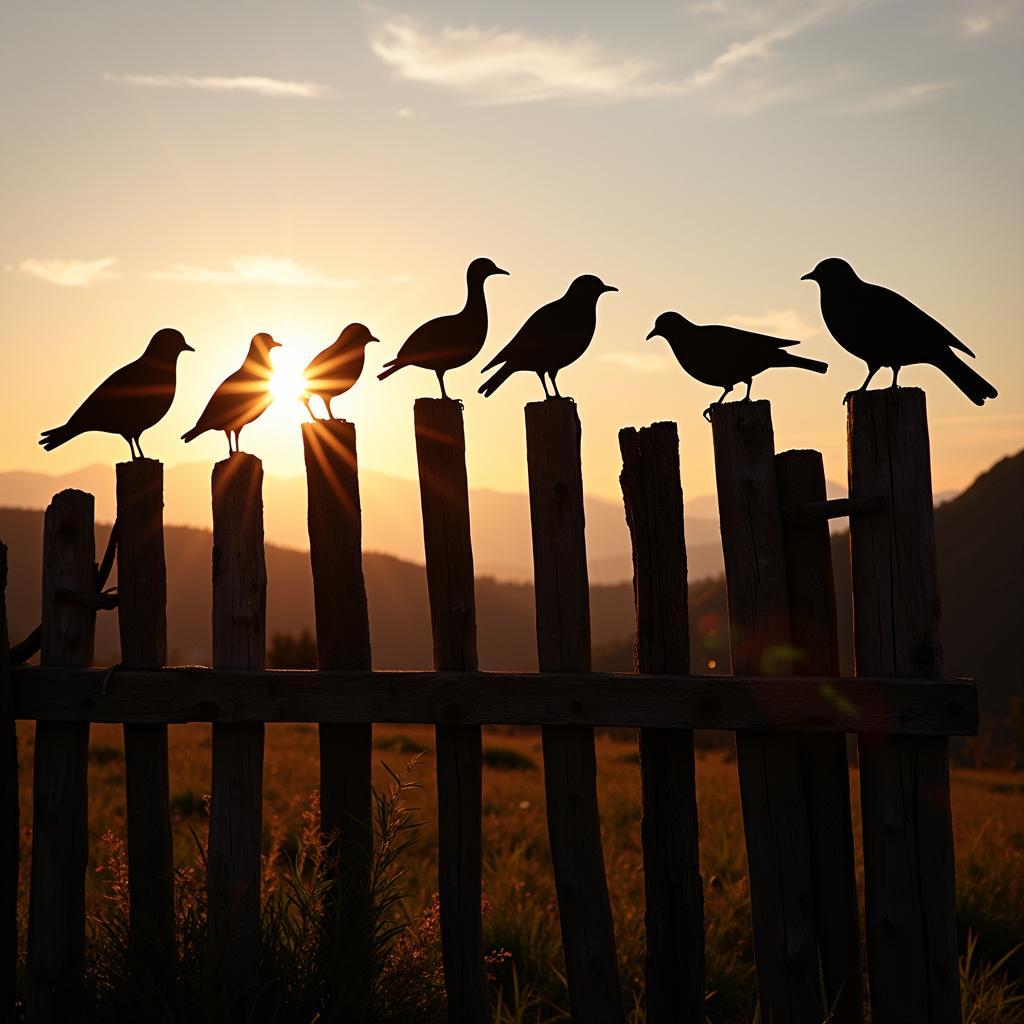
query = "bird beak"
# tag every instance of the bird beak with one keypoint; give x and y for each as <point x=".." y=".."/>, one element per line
<point x="609" y="288"/>
<point x="188" y="347"/>
<point x="653" y="334"/>
<point x="375" y="339"/>
<point x="809" y="276"/>
<point x="498" y="270"/>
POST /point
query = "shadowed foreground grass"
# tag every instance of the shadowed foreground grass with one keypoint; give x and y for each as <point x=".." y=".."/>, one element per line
<point x="521" y="920"/>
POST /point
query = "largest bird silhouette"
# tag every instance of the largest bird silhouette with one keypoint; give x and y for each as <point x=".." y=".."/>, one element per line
<point x="242" y="397"/>
<point x="450" y="341"/>
<point x="883" y="328"/>
<point x="553" y="337"/>
<point x="333" y="371"/>
<point x="131" y="399"/>
<point x="726" y="356"/>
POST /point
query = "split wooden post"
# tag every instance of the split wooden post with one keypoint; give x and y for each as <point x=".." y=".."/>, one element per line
<point x="142" y="620"/>
<point x="236" y="799"/>
<point x="10" y="825"/>
<point x="553" y="435"/>
<point x="653" y="497"/>
<point x="771" y="789"/>
<point x="334" y="518"/>
<point x="444" y="497"/>
<point x="904" y="781"/>
<point x="60" y="810"/>
<point x="812" y="617"/>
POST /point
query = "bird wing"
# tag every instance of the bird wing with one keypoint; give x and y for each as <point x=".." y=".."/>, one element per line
<point x="234" y="391"/>
<point x="427" y="339"/>
<point x="901" y="316"/>
<point x="124" y="383"/>
<point x="530" y="339"/>
<point x="749" y="341"/>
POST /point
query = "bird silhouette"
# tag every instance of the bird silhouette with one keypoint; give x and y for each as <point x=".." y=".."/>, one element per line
<point x="725" y="356"/>
<point x="552" y="338"/>
<point x="883" y="328"/>
<point x="242" y="397"/>
<point x="131" y="399"/>
<point x="337" y="368"/>
<point x="450" y="341"/>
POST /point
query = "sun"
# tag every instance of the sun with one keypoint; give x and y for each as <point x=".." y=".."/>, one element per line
<point x="287" y="383"/>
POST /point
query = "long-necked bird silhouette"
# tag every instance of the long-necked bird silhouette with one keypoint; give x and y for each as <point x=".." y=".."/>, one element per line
<point x="883" y="328"/>
<point x="131" y="399"/>
<point x="451" y="341"/>
<point x="242" y="397"/>
<point x="337" y="368"/>
<point x="726" y="356"/>
<point x="552" y="338"/>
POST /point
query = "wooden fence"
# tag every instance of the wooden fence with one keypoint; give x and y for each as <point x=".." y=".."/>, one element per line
<point x="786" y="703"/>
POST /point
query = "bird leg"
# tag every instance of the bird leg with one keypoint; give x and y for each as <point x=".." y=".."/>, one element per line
<point x="131" y="447"/>
<point x="746" y="397"/>
<point x="231" y="450"/>
<point x="895" y="374"/>
<point x="721" y="399"/>
<point x="554" y="384"/>
<point x="138" y="444"/>
<point x="327" y="405"/>
<point x="309" y="409"/>
<point x="872" y="370"/>
<point x="440" y="380"/>
<point x="544" y="384"/>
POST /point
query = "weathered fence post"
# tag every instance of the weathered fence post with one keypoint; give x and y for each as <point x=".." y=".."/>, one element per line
<point x="60" y="826"/>
<point x="570" y="769"/>
<point x="334" y="519"/>
<point x="236" y="801"/>
<point x="904" y="781"/>
<point x="444" y="496"/>
<point x="10" y="837"/>
<point x="653" y="497"/>
<point x="812" y="617"/>
<point x="774" y="808"/>
<point x="142" y="620"/>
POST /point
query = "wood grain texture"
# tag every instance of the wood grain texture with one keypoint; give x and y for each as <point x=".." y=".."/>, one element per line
<point x="800" y="476"/>
<point x="236" y="796"/>
<point x="60" y="810"/>
<point x="553" y="436"/>
<point x="771" y="788"/>
<point x="10" y="823"/>
<point x="936" y="707"/>
<point x="444" y="499"/>
<point x="142" y="622"/>
<point x="674" y="907"/>
<point x="334" y="518"/>
<point x="907" y="825"/>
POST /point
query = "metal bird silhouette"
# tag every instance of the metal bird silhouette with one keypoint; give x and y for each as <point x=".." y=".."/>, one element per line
<point x="450" y="341"/>
<point x="333" y="371"/>
<point x="552" y="338"/>
<point x="131" y="399"/>
<point x="725" y="356"/>
<point x="883" y="328"/>
<point x="242" y="397"/>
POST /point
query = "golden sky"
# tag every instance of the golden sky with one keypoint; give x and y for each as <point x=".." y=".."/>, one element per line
<point x="290" y="169"/>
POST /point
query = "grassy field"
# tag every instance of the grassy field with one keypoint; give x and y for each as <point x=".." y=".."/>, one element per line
<point x="521" y="923"/>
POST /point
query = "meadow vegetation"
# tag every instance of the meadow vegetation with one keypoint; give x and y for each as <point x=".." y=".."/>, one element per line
<point x="521" y="920"/>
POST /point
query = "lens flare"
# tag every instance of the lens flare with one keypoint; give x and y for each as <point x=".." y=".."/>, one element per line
<point x="287" y="384"/>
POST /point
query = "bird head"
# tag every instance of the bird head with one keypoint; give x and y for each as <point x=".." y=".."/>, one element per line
<point x="831" y="271"/>
<point x="169" y="342"/>
<point x="261" y="346"/>
<point x="482" y="268"/>
<point x="356" y="335"/>
<point x="590" y="286"/>
<point x="668" y="325"/>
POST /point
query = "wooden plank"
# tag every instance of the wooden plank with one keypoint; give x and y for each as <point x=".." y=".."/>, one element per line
<point x="334" y="517"/>
<point x="836" y="508"/>
<point x="444" y="498"/>
<point x="236" y="797"/>
<point x="142" y="621"/>
<point x="10" y="824"/>
<point x="674" y="906"/>
<point x="800" y="476"/>
<point x="907" y="826"/>
<point x="935" y="707"/>
<point x="60" y="793"/>
<point x="553" y="436"/>
<point x="771" y="789"/>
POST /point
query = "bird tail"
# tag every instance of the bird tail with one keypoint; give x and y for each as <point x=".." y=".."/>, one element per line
<point x="394" y="368"/>
<point x="191" y="435"/>
<point x="494" y="382"/>
<point x="815" y="365"/>
<point x="57" y="436"/>
<point x="971" y="383"/>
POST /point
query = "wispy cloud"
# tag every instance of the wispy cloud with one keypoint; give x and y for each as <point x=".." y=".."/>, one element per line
<point x="903" y="98"/>
<point x="71" y="273"/>
<point x="261" y="270"/>
<point x="980" y="21"/>
<point x="642" y="362"/>
<point x="780" y="323"/>
<point x="218" y="83"/>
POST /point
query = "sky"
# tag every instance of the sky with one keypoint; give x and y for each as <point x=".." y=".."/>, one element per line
<point x="226" y="169"/>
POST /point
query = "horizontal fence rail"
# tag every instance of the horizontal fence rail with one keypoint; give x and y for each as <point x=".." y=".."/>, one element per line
<point x="922" y="707"/>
